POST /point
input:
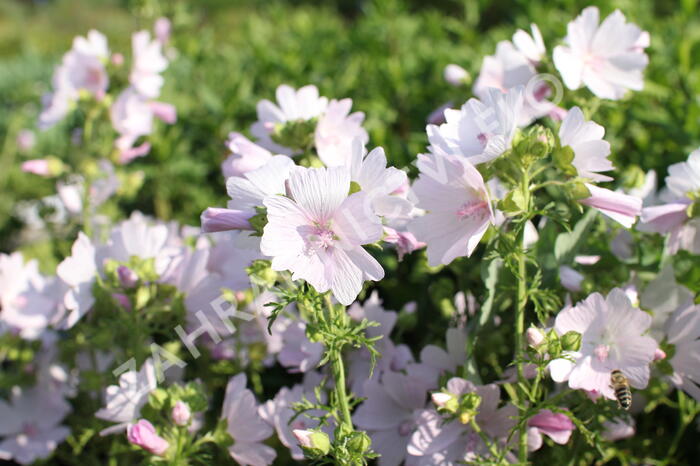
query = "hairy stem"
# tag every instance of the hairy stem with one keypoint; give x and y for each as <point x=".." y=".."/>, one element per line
<point x="341" y="395"/>
<point x="520" y="318"/>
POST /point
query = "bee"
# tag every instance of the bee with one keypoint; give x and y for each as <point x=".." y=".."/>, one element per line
<point x="621" y="386"/>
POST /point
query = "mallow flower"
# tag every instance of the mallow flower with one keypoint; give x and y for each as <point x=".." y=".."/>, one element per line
<point x="682" y="331"/>
<point x="683" y="185"/>
<point x="78" y="272"/>
<point x="585" y="138"/>
<point x="482" y="129"/>
<point x="30" y="424"/>
<point x="247" y="193"/>
<point x="148" y="63"/>
<point x="123" y="402"/>
<point x="245" y="156"/>
<point x="294" y="106"/>
<point x="82" y="70"/>
<point x="613" y="337"/>
<point x="317" y="233"/>
<point x="245" y="426"/>
<point x="453" y="193"/>
<point x="556" y="426"/>
<point x="607" y="58"/>
<point x="452" y="442"/>
<point x="388" y="414"/>
<point x="336" y="130"/>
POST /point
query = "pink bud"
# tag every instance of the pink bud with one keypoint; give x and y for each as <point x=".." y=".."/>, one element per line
<point x="117" y="59"/>
<point x="39" y="167"/>
<point x="181" y="414"/>
<point x="164" y="112"/>
<point x="161" y="28"/>
<point x="455" y="74"/>
<point x="534" y="336"/>
<point x="303" y="437"/>
<point x="123" y="300"/>
<point x="127" y="277"/>
<point x="144" y="435"/>
<point x="440" y="399"/>
<point x="659" y="354"/>
<point x="26" y="139"/>
<point x="218" y="219"/>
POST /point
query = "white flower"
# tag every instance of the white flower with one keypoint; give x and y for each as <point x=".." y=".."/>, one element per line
<point x="78" y="272"/>
<point x="613" y="336"/>
<point x="293" y="105"/>
<point x="336" y="130"/>
<point x="532" y="46"/>
<point x="609" y="59"/>
<point x="683" y="332"/>
<point x="123" y="402"/>
<point x="148" y="63"/>
<point x="586" y="140"/>
<point x="480" y="130"/>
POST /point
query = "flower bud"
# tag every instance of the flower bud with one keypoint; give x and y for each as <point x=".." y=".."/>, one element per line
<point x="181" y="414"/>
<point x="127" y="277"/>
<point x="359" y="443"/>
<point x="144" y="435"/>
<point x="659" y="355"/>
<point x="46" y="167"/>
<point x="535" y="337"/>
<point x="469" y="407"/>
<point x="571" y="341"/>
<point x="315" y="441"/>
<point x="123" y="300"/>
<point x="444" y="400"/>
<point x="456" y="75"/>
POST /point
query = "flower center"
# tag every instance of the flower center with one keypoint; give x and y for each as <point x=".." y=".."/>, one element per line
<point x="601" y="351"/>
<point x="472" y="208"/>
<point x="483" y="138"/>
<point x="321" y="237"/>
<point x="30" y="429"/>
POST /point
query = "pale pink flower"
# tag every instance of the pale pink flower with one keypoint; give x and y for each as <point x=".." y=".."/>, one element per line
<point x="455" y="74"/>
<point x="245" y="425"/>
<point x="608" y="58"/>
<point x="41" y="167"/>
<point x="532" y="46"/>
<point x="78" y="272"/>
<point x="613" y="337"/>
<point x="82" y="69"/>
<point x="458" y="207"/>
<point x="293" y="105"/>
<point x="162" y="28"/>
<point x="405" y="241"/>
<point x="682" y="182"/>
<point x="388" y="414"/>
<point x="570" y="278"/>
<point x="279" y="412"/>
<point x="247" y="193"/>
<point x="586" y="140"/>
<point x="336" y="131"/>
<point x="318" y="233"/>
<point x="535" y="337"/>
<point x="245" y="156"/>
<point x="297" y="353"/>
<point x="509" y="69"/>
<point x="181" y="413"/>
<point x="683" y="332"/>
<point x="450" y="443"/>
<point x="30" y="424"/>
<point x="480" y="130"/>
<point x="618" y="429"/>
<point x="620" y="207"/>
<point x="144" y="435"/>
<point x="148" y="63"/>
<point x="131" y="117"/>
<point x="556" y="426"/>
<point x="26" y="297"/>
<point x="378" y="181"/>
<point x="123" y="402"/>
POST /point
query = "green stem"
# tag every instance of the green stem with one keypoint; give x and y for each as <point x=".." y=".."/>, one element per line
<point x="492" y="448"/>
<point x="520" y="317"/>
<point x="339" y="376"/>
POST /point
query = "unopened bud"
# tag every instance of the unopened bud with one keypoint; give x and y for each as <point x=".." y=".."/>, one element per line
<point x="359" y="443"/>
<point x="181" y="414"/>
<point x="659" y="355"/>
<point x="127" y="277"/>
<point x="315" y="441"/>
<point x="571" y="341"/>
<point x="456" y="75"/>
<point x="535" y="337"/>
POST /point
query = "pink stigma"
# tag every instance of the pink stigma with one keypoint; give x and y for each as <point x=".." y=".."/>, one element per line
<point x="320" y="238"/>
<point x="472" y="208"/>
<point x="601" y="352"/>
